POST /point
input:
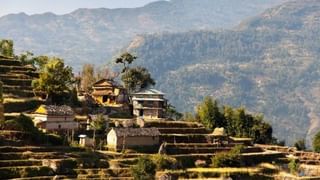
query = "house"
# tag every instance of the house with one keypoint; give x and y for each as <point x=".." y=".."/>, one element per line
<point x="121" y="138"/>
<point x="55" y="118"/>
<point x="149" y="104"/>
<point x="219" y="136"/>
<point x="85" y="141"/>
<point x="109" y="93"/>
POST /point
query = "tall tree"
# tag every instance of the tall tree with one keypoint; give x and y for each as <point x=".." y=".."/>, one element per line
<point x="125" y="59"/>
<point x="209" y="113"/>
<point x="172" y="113"/>
<point x="6" y="48"/>
<point x="29" y="58"/>
<point x="55" y="78"/>
<point x="87" y="77"/>
<point x="137" y="78"/>
<point x="316" y="142"/>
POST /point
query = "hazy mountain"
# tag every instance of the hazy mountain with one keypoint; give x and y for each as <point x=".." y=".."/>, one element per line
<point x="269" y="64"/>
<point x="92" y="35"/>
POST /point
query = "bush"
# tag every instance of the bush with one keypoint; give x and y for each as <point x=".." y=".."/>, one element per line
<point x="228" y="159"/>
<point x="293" y="166"/>
<point x="316" y="142"/>
<point x="145" y="169"/>
<point x="300" y="144"/>
<point x="164" y="162"/>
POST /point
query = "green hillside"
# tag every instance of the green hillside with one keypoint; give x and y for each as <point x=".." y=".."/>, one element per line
<point x="268" y="64"/>
<point x="93" y="35"/>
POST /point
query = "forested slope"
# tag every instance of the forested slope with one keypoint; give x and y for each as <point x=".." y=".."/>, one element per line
<point x="269" y="64"/>
<point x="93" y="35"/>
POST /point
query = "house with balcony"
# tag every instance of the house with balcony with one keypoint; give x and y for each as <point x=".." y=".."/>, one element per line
<point x="109" y="94"/>
<point x="149" y="104"/>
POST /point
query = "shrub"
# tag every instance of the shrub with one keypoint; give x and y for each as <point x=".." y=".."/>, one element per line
<point x="145" y="169"/>
<point x="228" y="159"/>
<point x="316" y="142"/>
<point x="300" y="144"/>
<point x="164" y="162"/>
<point x="293" y="166"/>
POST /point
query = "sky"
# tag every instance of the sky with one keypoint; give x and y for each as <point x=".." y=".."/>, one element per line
<point x="63" y="6"/>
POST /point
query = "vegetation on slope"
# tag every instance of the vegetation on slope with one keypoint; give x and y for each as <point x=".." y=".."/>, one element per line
<point x="96" y="33"/>
<point x="268" y="64"/>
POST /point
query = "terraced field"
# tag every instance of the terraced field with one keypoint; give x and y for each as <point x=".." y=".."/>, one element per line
<point x="17" y="86"/>
<point x="46" y="162"/>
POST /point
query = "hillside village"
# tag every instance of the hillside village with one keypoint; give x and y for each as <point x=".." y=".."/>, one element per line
<point x="115" y="132"/>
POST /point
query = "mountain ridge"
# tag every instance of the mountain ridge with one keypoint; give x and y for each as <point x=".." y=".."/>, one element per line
<point x="96" y="35"/>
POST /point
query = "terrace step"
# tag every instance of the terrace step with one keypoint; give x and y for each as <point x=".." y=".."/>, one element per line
<point x="5" y="69"/>
<point x="39" y="149"/>
<point x="19" y="92"/>
<point x="16" y="81"/>
<point x="56" y="177"/>
<point x="10" y="62"/>
<point x="184" y="138"/>
<point x="25" y="171"/>
<point x="28" y="155"/>
<point x="172" y="124"/>
<point x="11" y="163"/>
<point x="107" y="172"/>
<point x="207" y="150"/>
<point x="12" y="75"/>
<point x="199" y="130"/>
<point x="17" y="87"/>
<point x="29" y="73"/>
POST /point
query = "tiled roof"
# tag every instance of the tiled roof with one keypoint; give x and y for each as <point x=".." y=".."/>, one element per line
<point x="55" y="110"/>
<point x="149" y="92"/>
<point x="130" y="132"/>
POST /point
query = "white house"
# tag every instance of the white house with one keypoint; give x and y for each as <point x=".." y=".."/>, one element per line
<point x="55" y="118"/>
<point x="149" y="104"/>
<point x="119" y="138"/>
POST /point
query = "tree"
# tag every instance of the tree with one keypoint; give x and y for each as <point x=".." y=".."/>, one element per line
<point x="137" y="78"/>
<point x="6" y="48"/>
<point x="209" y="113"/>
<point x="28" y="58"/>
<point x="316" y="142"/>
<point x="172" y="113"/>
<point x="145" y="169"/>
<point x="54" y="79"/>
<point x="105" y="73"/>
<point x="126" y="59"/>
<point x="87" y="77"/>
<point x="98" y="124"/>
<point x="300" y="144"/>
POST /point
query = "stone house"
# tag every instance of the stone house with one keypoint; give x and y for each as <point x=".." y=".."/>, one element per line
<point x="109" y="93"/>
<point x="55" y="118"/>
<point x="121" y="138"/>
<point x="149" y="104"/>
